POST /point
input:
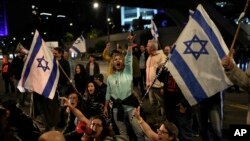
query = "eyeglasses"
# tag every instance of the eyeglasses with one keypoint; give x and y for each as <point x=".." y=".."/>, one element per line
<point x="161" y="132"/>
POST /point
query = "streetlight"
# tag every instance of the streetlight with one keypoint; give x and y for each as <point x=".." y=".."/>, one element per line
<point x="96" y="5"/>
<point x="109" y="9"/>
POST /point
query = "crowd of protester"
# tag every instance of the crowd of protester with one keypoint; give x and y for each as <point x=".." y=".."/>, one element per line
<point x="92" y="109"/>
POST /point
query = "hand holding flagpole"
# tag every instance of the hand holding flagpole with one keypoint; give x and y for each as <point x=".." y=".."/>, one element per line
<point x="69" y="79"/>
<point x="156" y="77"/>
<point x="230" y="54"/>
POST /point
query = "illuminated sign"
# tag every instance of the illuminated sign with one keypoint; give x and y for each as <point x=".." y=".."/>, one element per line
<point x="3" y="19"/>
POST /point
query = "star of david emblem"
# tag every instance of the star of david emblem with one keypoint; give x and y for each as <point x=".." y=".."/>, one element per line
<point x="196" y="47"/>
<point x="42" y="63"/>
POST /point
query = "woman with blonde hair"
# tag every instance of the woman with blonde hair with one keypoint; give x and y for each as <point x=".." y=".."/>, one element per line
<point x="119" y="91"/>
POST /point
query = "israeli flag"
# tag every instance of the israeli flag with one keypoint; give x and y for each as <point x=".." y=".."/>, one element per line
<point x="21" y="49"/>
<point x="196" y="60"/>
<point x="154" y="30"/>
<point x="40" y="73"/>
<point x="79" y="46"/>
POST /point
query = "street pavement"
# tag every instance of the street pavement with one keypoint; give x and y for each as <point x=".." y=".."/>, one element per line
<point x="235" y="105"/>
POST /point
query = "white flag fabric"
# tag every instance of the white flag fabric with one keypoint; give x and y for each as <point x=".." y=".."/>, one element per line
<point x="20" y="48"/>
<point x="41" y="72"/>
<point x="195" y="63"/>
<point x="79" y="45"/>
<point x="154" y="30"/>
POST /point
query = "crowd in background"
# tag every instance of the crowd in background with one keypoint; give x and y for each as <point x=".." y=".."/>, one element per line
<point x="87" y="107"/>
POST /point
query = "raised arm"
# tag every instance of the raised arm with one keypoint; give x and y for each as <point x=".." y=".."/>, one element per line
<point x="235" y="74"/>
<point x="80" y="116"/>
<point x="144" y="125"/>
<point x="105" y="53"/>
<point x="128" y="57"/>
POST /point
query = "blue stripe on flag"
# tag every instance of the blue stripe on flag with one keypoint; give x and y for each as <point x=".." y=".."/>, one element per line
<point x="197" y="16"/>
<point x="36" y="49"/>
<point x="189" y="78"/>
<point x="47" y="90"/>
<point x="76" y="50"/>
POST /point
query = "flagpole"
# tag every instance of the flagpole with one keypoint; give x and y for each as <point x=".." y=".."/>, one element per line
<point x="238" y="29"/>
<point x="69" y="79"/>
<point x="156" y="77"/>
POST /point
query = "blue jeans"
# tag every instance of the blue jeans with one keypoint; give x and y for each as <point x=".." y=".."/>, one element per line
<point x="132" y="121"/>
<point x="211" y="118"/>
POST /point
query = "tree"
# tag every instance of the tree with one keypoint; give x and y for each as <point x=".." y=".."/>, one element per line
<point x="93" y="34"/>
<point x="68" y="40"/>
<point x="100" y="45"/>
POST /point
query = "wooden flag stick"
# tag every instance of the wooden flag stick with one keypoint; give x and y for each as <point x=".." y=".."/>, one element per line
<point x="237" y="31"/>
<point x="69" y="79"/>
<point x="231" y="50"/>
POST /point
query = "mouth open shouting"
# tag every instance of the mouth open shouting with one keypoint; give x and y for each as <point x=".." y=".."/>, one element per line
<point x="118" y="63"/>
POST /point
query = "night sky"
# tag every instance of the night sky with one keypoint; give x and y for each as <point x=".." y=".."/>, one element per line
<point x="21" y="21"/>
<point x="19" y="16"/>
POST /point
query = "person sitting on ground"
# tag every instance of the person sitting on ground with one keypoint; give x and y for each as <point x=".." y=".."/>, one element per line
<point x="92" y="101"/>
<point x="6" y="132"/>
<point x="25" y="128"/>
<point x="167" y="131"/>
<point x="101" y="86"/>
<point x="97" y="124"/>
<point x="69" y="130"/>
<point x="52" y="136"/>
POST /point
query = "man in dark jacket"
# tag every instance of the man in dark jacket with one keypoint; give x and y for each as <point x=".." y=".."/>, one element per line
<point x="92" y="67"/>
<point x="177" y="108"/>
<point x="102" y="87"/>
<point x="63" y="83"/>
<point x="17" y="67"/>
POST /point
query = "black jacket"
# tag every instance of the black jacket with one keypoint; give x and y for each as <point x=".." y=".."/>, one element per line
<point x="63" y="80"/>
<point x="17" y="67"/>
<point x="96" y="68"/>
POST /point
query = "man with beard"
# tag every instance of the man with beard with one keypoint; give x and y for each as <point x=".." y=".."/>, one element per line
<point x="119" y="90"/>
